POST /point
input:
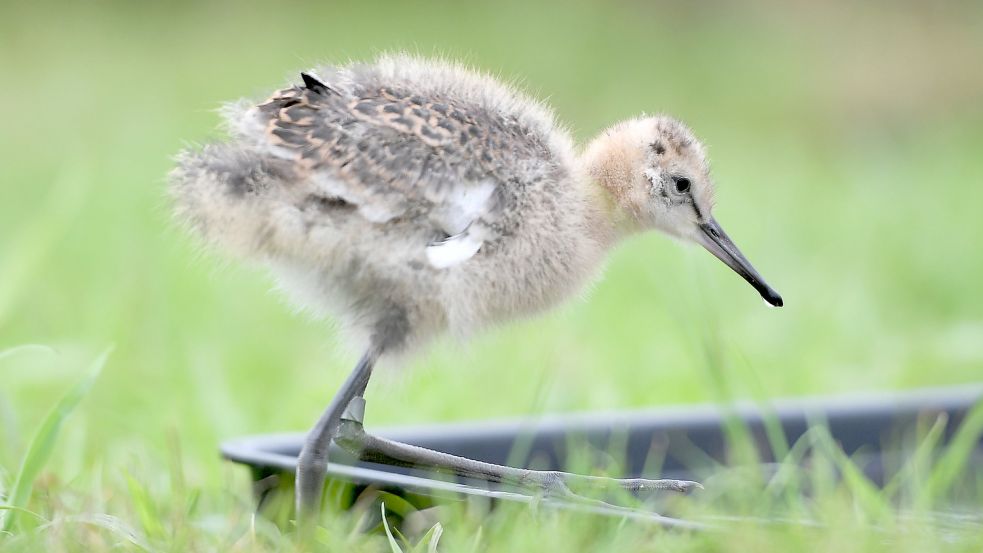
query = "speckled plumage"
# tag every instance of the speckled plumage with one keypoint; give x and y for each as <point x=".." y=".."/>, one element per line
<point x="341" y="190"/>
<point x="410" y="197"/>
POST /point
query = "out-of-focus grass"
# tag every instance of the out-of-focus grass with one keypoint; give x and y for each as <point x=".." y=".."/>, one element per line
<point x="43" y="443"/>
<point x="845" y="142"/>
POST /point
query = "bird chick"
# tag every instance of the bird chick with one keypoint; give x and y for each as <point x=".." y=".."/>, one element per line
<point x="421" y="195"/>
<point x="410" y="197"/>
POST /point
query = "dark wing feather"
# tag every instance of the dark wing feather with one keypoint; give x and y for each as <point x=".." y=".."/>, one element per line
<point x="391" y="147"/>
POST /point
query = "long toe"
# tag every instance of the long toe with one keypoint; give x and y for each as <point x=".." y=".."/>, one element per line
<point x="681" y="486"/>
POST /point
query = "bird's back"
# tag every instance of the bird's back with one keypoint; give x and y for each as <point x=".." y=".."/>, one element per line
<point x="404" y="133"/>
<point x="403" y="174"/>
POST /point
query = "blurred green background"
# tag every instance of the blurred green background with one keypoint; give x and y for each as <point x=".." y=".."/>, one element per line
<point x="845" y="138"/>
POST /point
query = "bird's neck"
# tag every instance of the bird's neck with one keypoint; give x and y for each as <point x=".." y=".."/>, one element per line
<point x="609" y="223"/>
<point x="608" y="163"/>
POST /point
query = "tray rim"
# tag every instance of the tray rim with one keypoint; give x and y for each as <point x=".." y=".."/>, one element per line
<point x="263" y="451"/>
<point x="259" y="449"/>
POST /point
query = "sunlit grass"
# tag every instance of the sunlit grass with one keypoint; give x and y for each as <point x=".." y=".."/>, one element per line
<point x="42" y="444"/>
<point x="818" y="498"/>
<point x="845" y="140"/>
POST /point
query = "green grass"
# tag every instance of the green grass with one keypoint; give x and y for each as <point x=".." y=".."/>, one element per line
<point x="43" y="443"/>
<point x="845" y="141"/>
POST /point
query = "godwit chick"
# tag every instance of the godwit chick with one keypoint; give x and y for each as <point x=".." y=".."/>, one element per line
<point x="410" y="197"/>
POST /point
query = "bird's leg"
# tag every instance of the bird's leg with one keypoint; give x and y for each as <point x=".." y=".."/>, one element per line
<point x="353" y="438"/>
<point x="313" y="461"/>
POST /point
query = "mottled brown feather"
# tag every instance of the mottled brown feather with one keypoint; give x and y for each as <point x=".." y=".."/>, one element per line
<point x="383" y="140"/>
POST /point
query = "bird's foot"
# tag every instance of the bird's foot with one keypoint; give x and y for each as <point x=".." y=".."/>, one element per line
<point x="550" y="484"/>
<point x="560" y="483"/>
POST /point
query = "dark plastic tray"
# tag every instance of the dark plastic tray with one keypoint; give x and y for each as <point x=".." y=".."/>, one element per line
<point x="867" y="427"/>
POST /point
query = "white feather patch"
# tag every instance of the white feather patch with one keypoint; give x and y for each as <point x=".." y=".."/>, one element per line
<point x="464" y="204"/>
<point x="454" y="250"/>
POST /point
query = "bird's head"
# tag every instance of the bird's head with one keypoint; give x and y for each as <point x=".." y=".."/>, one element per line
<point x="657" y="176"/>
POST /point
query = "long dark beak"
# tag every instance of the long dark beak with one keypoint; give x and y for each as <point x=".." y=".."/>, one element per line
<point x="719" y="244"/>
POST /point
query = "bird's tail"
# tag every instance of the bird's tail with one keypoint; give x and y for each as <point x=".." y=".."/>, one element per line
<point x="223" y="192"/>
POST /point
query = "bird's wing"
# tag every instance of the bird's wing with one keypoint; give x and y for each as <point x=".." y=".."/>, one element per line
<point x="392" y="153"/>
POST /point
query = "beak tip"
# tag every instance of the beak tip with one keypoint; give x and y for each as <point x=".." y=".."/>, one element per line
<point x="720" y="245"/>
<point x="772" y="298"/>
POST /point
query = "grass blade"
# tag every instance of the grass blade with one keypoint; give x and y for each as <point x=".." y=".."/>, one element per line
<point x="389" y="534"/>
<point x="109" y="523"/>
<point x="10" y="352"/>
<point x="912" y="470"/>
<point x="9" y="437"/>
<point x="957" y="455"/>
<point x="432" y="537"/>
<point x="864" y="492"/>
<point x="22" y="510"/>
<point x="146" y="512"/>
<point x="43" y="442"/>
<point x="397" y="504"/>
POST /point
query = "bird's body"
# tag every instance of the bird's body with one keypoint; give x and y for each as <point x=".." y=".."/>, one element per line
<point x="408" y="197"/>
<point x="403" y="193"/>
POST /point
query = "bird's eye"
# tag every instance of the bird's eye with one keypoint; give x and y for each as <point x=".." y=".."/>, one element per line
<point x="682" y="184"/>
